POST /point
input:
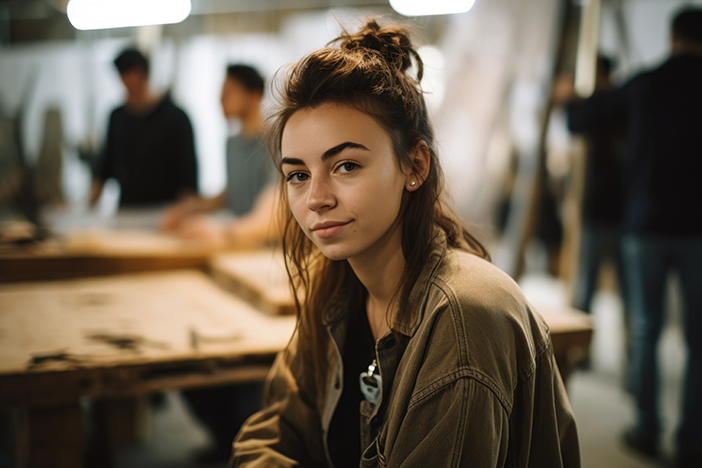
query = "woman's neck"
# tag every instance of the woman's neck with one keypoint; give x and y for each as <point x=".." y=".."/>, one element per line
<point x="380" y="270"/>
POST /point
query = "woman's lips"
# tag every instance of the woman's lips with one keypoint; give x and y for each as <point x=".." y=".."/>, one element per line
<point x="328" y="230"/>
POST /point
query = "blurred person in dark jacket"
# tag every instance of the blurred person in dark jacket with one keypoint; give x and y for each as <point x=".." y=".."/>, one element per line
<point x="662" y="225"/>
<point x="149" y="148"/>
<point x="602" y="199"/>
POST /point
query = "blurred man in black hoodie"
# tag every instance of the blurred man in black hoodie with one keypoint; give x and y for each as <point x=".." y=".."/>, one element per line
<point x="149" y="147"/>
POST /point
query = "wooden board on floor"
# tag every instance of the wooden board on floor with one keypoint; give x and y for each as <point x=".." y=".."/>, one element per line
<point x="259" y="277"/>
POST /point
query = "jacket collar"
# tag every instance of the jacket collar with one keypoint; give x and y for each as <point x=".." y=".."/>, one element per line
<point x="406" y="324"/>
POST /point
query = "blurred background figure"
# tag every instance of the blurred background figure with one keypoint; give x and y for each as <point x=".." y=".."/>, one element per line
<point x="11" y="165"/>
<point x="662" y="225"/>
<point x="602" y="198"/>
<point x="24" y="187"/>
<point x="49" y="166"/>
<point x="149" y="147"/>
<point x="249" y="193"/>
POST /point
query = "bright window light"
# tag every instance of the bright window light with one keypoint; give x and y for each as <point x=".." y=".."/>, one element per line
<point x="430" y="7"/>
<point x="106" y="14"/>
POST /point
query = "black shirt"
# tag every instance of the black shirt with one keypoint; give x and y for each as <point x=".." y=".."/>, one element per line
<point x="344" y="437"/>
<point x="603" y="191"/>
<point x="662" y="112"/>
<point x="151" y="154"/>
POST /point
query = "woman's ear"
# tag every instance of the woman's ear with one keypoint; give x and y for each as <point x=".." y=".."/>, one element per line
<point x="421" y="162"/>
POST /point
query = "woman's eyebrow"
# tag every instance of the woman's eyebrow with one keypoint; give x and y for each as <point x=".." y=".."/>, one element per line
<point x="292" y="161"/>
<point x="339" y="148"/>
<point x="331" y="152"/>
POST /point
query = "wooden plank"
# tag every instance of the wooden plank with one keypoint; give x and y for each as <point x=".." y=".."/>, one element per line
<point x="571" y="334"/>
<point x="258" y="277"/>
<point x="530" y="182"/>
<point x="100" y="252"/>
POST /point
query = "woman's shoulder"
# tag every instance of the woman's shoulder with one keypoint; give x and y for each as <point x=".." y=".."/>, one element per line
<point x="492" y="318"/>
<point x="477" y="283"/>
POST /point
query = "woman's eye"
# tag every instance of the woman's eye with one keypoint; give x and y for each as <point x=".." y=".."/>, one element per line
<point x="348" y="166"/>
<point x="297" y="177"/>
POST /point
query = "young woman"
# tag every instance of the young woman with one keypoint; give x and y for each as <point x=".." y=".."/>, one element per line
<point x="411" y="349"/>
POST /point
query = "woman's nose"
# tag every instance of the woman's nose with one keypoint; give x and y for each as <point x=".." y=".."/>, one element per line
<point x="320" y="196"/>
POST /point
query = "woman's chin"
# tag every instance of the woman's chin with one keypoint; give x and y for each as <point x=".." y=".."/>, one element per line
<point x="334" y="253"/>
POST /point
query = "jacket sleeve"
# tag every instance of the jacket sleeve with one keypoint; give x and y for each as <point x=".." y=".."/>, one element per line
<point x="602" y="111"/>
<point x="463" y="419"/>
<point x="456" y="422"/>
<point x="554" y="435"/>
<point x="591" y="114"/>
<point x="287" y="432"/>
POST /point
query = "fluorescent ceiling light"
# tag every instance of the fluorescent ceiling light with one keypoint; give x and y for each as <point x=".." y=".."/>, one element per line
<point x="430" y="7"/>
<point x="106" y="14"/>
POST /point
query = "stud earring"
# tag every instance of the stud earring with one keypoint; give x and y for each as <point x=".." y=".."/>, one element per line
<point x="413" y="184"/>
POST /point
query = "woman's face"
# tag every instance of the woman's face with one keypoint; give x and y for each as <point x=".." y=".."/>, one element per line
<point x="343" y="181"/>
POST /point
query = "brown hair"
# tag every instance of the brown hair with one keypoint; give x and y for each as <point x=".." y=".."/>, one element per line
<point x="368" y="71"/>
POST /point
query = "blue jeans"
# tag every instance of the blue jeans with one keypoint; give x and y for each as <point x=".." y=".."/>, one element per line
<point x="647" y="262"/>
<point x="598" y="244"/>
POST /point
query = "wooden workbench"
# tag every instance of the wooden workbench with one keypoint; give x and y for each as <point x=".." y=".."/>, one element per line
<point x="117" y="337"/>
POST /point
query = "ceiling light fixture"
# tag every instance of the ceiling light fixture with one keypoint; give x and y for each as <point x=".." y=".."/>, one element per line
<point x="107" y="14"/>
<point x="431" y="7"/>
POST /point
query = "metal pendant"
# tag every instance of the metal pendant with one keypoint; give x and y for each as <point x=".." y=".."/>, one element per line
<point x="371" y="383"/>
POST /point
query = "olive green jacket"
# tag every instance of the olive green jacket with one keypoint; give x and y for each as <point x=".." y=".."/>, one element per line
<point x="477" y="385"/>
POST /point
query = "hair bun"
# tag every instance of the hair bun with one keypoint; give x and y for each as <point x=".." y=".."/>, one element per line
<point x="393" y="44"/>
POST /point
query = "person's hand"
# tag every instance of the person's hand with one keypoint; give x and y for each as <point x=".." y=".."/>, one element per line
<point x="95" y="192"/>
<point x="203" y="228"/>
<point x="563" y="89"/>
<point x="174" y="215"/>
